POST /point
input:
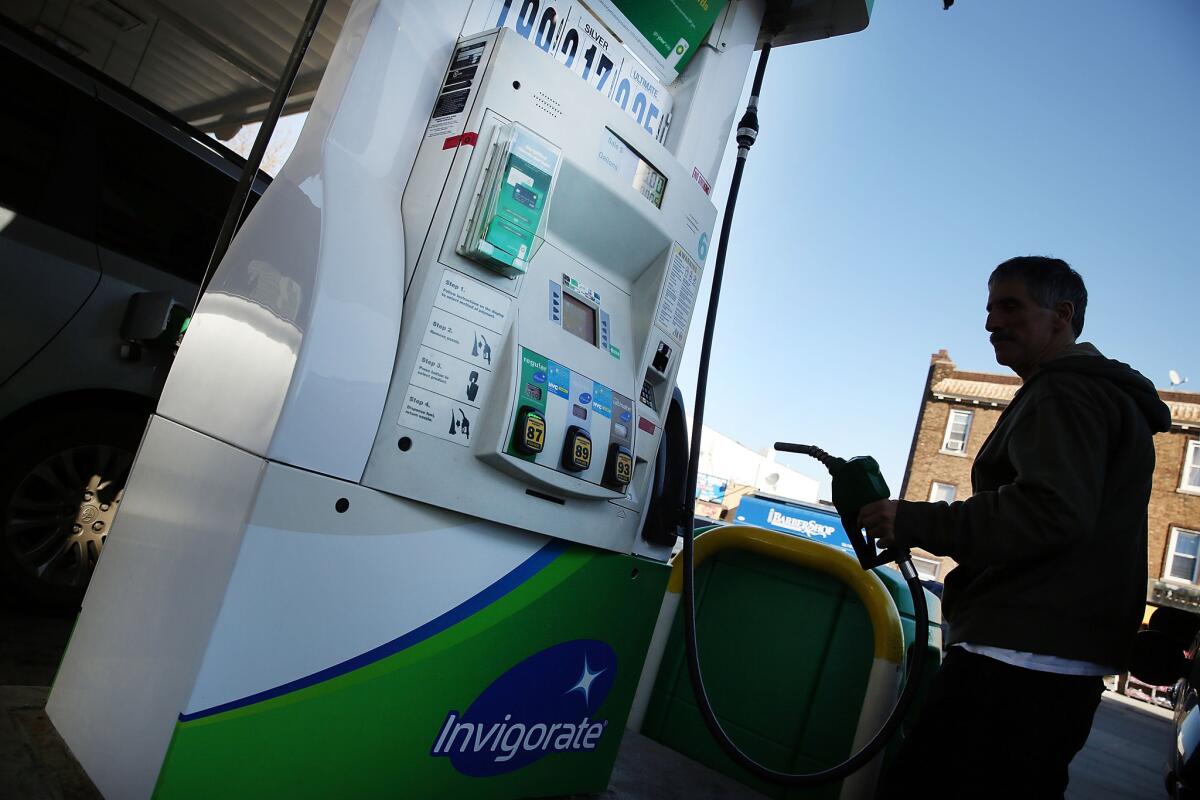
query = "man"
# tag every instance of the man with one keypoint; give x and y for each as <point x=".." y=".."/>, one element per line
<point x="1051" y="548"/>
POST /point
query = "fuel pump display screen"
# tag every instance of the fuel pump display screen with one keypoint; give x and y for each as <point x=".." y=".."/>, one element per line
<point x="629" y="164"/>
<point x="579" y="318"/>
<point x="650" y="182"/>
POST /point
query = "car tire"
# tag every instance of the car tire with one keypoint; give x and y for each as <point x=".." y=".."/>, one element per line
<point x="61" y="484"/>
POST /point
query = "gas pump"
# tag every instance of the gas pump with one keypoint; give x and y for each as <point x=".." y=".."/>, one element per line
<point x="385" y="534"/>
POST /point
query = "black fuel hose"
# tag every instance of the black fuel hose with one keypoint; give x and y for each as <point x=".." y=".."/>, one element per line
<point x="747" y="132"/>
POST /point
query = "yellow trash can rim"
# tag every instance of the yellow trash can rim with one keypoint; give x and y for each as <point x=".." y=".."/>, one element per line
<point x="885" y="619"/>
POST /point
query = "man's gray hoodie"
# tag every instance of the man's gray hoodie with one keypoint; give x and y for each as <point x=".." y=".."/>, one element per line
<point x="1052" y="544"/>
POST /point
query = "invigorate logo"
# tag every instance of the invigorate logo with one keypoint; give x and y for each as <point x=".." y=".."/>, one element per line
<point x="542" y="705"/>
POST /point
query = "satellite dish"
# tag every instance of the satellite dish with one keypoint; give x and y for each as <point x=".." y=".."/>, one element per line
<point x="772" y="479"/>
<point x="1173" y="376"/>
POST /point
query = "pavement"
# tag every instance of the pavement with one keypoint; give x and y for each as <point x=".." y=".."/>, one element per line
<point x="34" y="762"/>
<point x="1124" y="757"/>
<point x="1126" y="753"/>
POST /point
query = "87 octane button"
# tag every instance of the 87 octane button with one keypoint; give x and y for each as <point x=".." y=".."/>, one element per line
<point x="531" y="431"/>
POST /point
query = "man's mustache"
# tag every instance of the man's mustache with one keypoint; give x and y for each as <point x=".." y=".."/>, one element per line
<point x="1000" y="337"/>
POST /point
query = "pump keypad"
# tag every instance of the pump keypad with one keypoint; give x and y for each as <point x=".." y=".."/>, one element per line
<point x="647" y="396"/>
<point x="577" y="450"/>
<point x="531" y="431"/>
<point x="618" y="471"/>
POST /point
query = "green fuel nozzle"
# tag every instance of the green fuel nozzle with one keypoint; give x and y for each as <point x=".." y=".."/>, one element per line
<point x="856" y="482"/>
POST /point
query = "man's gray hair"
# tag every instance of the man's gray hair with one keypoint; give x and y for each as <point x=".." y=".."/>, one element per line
<point x="1049" y="281"/>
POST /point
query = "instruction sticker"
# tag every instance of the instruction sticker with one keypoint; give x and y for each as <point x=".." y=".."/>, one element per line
<point x="438" y="416"/>
<point x="458" y="337"/>
<point x="456" y="90"/>
<point x="449" y="376"/>
<point x="679" y="294"/>
<point x="473" y="301"/>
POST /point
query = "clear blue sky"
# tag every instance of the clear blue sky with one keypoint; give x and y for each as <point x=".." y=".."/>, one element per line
<point x="897" y="166"/>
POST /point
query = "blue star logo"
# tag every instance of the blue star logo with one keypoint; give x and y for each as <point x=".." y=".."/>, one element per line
<point x="584" y="684"/>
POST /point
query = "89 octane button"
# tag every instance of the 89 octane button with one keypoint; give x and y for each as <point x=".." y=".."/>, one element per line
<point x="577" y="450"/>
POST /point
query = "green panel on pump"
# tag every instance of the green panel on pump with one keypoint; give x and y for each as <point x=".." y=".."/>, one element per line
<point x="521" y="691"/>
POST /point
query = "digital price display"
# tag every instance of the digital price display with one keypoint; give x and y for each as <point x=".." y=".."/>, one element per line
<point x="629" y="164"/>
<point x="650" y="182"/>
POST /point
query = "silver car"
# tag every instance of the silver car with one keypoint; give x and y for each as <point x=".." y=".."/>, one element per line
<point x="109" y="209"/>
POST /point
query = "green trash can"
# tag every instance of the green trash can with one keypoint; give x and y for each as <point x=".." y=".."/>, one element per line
<point x="799" y="669"/>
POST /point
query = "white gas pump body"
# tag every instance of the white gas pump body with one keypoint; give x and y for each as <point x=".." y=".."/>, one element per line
<point x="293" y="512"/>
<point x="632" y="267"/>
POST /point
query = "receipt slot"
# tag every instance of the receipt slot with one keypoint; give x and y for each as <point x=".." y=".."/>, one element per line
<point x="385" y="530"/>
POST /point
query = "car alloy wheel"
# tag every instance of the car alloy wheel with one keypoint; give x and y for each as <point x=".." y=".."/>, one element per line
<point x="60" y="514"/>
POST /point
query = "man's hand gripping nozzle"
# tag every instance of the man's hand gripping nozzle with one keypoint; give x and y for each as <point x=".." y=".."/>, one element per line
<point x="856" y="482"/>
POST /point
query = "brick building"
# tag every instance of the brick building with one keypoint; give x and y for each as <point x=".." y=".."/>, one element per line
<point x="958" y="411"/>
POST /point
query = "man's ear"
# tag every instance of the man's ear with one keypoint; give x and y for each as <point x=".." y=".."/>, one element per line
<point x="1064" y="313"/>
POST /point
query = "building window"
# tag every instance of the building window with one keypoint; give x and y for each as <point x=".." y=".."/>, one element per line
<point x="942" y="492"/>
<point x="927" y="568"/>
<point x="1190" y="480"/>
<point x="1182" y="556"/>
<point x="957" y="429"/>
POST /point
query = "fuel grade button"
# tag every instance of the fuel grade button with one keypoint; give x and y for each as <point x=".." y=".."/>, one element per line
<point x="577" y="449"/>
<point x="530" y="435"/>
<point x="618" y="470"/>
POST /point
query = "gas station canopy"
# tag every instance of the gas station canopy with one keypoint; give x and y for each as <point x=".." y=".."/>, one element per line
<point x="215" y="63"/>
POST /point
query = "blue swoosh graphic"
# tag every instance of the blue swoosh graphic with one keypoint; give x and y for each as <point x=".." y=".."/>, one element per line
<point x="521" y="573"/>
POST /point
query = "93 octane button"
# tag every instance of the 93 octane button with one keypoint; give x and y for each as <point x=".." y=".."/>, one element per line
<point x="619" y="469"/>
